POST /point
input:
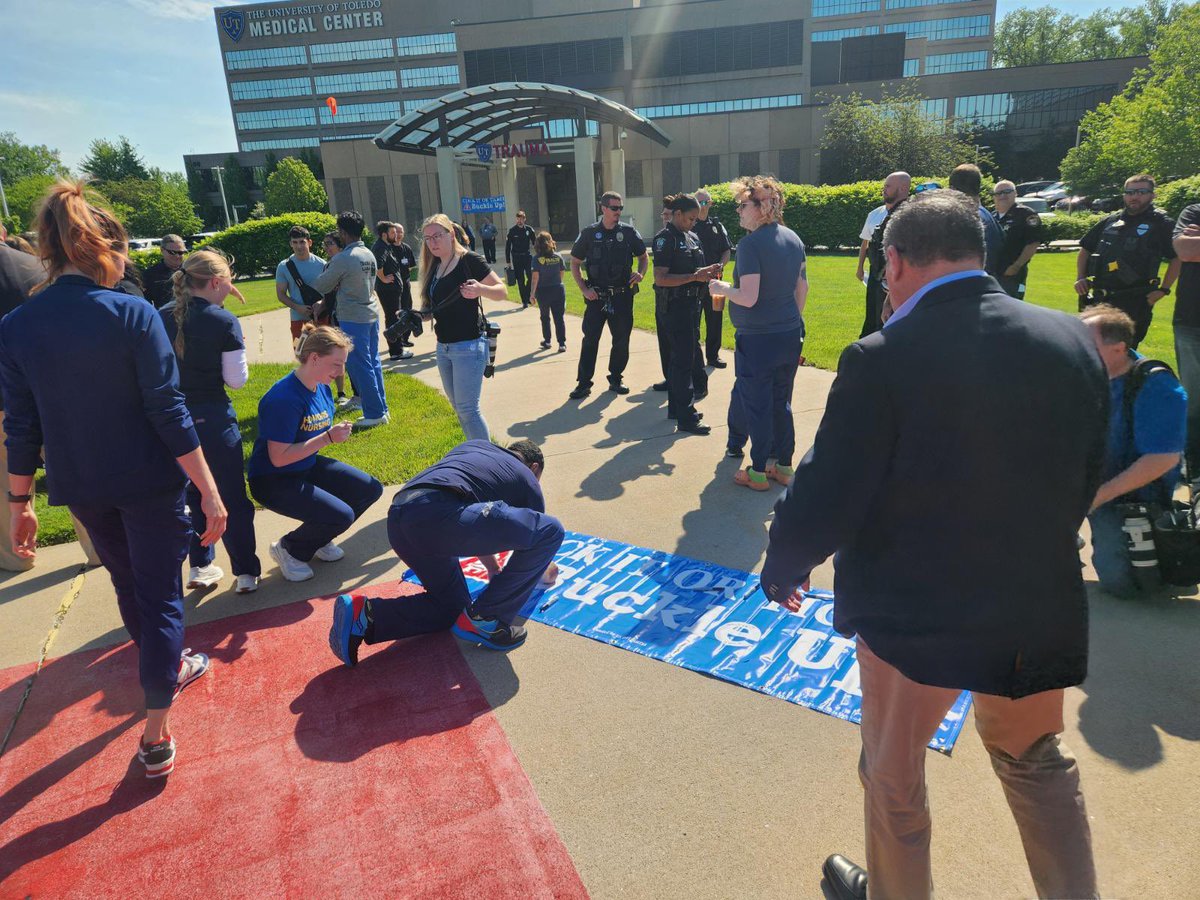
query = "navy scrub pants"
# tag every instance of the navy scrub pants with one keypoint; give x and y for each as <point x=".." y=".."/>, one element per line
<point x="221" y="440"/>
<point x="430" y="529"/>
<point x="142" y="542"/>
<point x="327" y="499"/>
<point x="760" y="409"/>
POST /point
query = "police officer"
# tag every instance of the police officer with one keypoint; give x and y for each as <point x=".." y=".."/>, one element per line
<point x="662" y="331"/>
<point x="679" y="270"/>
<point x="607" y="249"/>
<point x="518" y="253"/>
<point x="1022" y="229"/>
<point x="714" y="239"/>
<point x="1119" y="258"/>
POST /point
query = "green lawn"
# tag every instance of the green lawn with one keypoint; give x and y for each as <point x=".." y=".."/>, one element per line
<point x="834" y="313"/>
<point x="259" y="294"/>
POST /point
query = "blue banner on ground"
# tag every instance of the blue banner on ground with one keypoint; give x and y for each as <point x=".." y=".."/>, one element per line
<point x="483" y="204"/>
<point x="706" y="618"/>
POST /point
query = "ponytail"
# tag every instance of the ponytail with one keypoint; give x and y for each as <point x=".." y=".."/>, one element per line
<point x="72" y="232"/>
<point x="182" y="292"/>
<point x="321" y="340"/>
<point x="198" y="269"/>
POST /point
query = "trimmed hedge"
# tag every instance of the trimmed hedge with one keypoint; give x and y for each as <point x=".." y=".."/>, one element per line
<point x="1069" y="226"/>
<point x="146" y="258"/>
<point x="1175" y="195"/>
<point x="260" y="245"/>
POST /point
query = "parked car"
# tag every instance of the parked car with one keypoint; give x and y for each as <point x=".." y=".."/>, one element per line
<point x="1029" y="188"/>
<point x="1039" y="205"/>
<point x="1107" y="204"/>
<point x="1073" y="204"/>
<point x="144" y="243"/>
<point x="1054" y="192"/>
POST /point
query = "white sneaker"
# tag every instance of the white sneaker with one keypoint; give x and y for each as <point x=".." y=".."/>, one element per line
<point x="191" y="666"/>
<point x="291" y="568"/>
<point x="331" y="552"/>
<point x="204" y="576"/>
<point x="352" y="404"/>
<point x="371" y="423"/>
<point x="246" y="584"/>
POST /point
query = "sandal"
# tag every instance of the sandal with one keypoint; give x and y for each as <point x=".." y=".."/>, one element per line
<point x="748" y="477"/>
<point x="782" y="474"/>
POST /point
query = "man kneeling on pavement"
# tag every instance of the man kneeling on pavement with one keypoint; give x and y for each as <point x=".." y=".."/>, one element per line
<point x="1147" y="429"/>
<point x="478" y="500"/>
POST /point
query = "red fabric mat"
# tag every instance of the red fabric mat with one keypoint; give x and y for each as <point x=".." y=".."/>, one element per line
<point x="295" y="776"/>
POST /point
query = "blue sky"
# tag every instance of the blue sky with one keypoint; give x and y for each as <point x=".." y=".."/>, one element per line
<point x="148" y="69"/>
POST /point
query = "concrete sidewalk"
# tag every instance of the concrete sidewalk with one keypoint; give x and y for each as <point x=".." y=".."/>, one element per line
<point x="662" y="782"/>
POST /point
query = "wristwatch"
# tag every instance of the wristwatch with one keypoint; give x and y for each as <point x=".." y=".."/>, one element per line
<point x="19" y="498"/>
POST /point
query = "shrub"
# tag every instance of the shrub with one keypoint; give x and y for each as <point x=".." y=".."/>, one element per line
<point x="1175" y="195"/>
<point x="146" y="258"/>
<point x="1068" y="226"/>
<point x="12" y="224"/>
<point x="292" y="187"/>
<point x="261" y="244"/>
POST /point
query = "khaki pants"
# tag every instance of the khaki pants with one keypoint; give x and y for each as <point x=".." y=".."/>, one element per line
<point x="1038" y="773"/>
<point x="9" y="561"/>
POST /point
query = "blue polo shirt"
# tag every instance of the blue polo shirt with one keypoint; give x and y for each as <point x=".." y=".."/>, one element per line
<point x="290" y="413"/>
<point x="208" y="331"/>
<point x="480" y="472"/>
<point x="1159" y="426"/>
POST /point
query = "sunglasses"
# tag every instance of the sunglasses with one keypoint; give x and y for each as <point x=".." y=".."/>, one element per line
<point x="615" y="208"/>
<point x="704" y="202"/>
<point x="1129" y="191"/>
<point x="1001" y="193"/>
<point x="174" y="252"/>
<point x="746" y="203"/>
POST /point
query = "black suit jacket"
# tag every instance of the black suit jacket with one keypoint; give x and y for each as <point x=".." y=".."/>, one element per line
<point x="958" y="455"/>
<point x="20" y="273"/>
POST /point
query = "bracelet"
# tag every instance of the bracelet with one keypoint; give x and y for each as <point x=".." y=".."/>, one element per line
<point x="329" y="434"/>
<point x="19" y="498"/>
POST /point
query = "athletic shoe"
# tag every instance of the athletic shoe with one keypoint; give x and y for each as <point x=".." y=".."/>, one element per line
<point x="159" y="758"/>
<point x="352" y="404"/>
<point x="490" y="633"/>
<point x="204" y="576"/>
<point x="342" y="400"/>
<point x="735" y="452"/>
<point x="349" y="627"/>
<point x="580" y="392"/>
<point x="191" y="667"/>
<point x="246" y="584"/>
<point x="363" y="424"/>
<point x="618" y="387"/>
<point x="290" y="568"/>
<point x="402" y="354"/>
<point x="331" y="552"/>
<point x="562" y="348"/>
<point x="545" y="345"/>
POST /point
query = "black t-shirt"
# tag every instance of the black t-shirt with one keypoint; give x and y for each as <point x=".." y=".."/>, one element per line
<point x="156" y="284"/>
<point x="1187" y="288"/>
<point x="455" y="318"/>
<point x="678" y="253"/>
<point x="608" y="256"/>
<point x="713" y="238"/>
<point x="208" y="331"/>
<point x="1022" y="227"/>
<point x="1137" y="244"/>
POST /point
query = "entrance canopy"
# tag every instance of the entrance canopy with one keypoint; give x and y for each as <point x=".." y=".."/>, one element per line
<point x="479" y="114"/>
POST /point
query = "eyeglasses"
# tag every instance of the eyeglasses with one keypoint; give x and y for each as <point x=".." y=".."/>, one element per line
<point x="436" y="236"/>
<point x="615" y="208"/>
<point x="1129" y="191"/>
<point x="174" y="252"/>
<point x="1003" y="191"/>
<point x="746" y="203"/>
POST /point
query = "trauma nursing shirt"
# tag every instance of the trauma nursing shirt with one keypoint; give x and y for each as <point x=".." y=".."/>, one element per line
<point x="290" y="413"/>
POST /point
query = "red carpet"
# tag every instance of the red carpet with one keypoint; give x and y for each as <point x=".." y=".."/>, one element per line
<point x="295" y="776"/>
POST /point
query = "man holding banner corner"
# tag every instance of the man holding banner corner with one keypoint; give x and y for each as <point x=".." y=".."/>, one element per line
<point x="951" y="483"/>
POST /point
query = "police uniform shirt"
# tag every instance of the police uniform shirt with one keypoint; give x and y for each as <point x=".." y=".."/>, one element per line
<point x="519" y="241"/>
<point x="1187" y="288"/>
<point x="714" y="239"/>
<point x="1022" y="227"/>
<point x="677" y="253"/>
<point x="1141" y="242"/>
<point x="608" y="256"/>
<point x="157" y="284"/>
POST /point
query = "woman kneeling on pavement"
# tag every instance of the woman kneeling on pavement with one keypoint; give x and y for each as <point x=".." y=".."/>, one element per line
<point x="91" y="371"/>
<point x="212" y="355"/>
<point x="766" y="309"/>
<point x="287" y="473"/>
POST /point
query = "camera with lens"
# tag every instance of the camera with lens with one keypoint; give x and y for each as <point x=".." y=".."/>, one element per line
<point x="407" y="324"/>
<point x="493" y="332"/>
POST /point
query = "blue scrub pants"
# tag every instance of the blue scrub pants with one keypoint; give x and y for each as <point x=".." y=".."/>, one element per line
<point x="431" y="529"/>
<point x="760" y="409"/>
<point x="221" y="440"/>
<point x="327" y="498"/>
<point x="142" y="542"/>
<point x="364" y="369"/>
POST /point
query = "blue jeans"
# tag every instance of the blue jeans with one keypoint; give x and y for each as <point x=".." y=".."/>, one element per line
<point x="327" y="499"/>
<point x="461" y="366"/>
<point x="1187" y="353"/>
<point x="142" y="542"/>
<point x="364" y="369"/>
<point x="1110" y="554"/>
<point x="221" y="440"/>
<point x="760" y="409"/>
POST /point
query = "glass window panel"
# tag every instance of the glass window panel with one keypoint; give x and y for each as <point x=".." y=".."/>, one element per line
<point x="719" y="106"/>
<point x="941" y="63"/>
<point x="264" y="59"/>
<point x="944" y="29"/>
<point x="426" y="44"/>
<point x="361" y="112"/>
<point x="275" y="118"/>
<point x="845" y="7"/>
<point x="429" y="76"/>
<point x="836" y="34"/>
<point x="282" y="144"/>
<point x="271" y="88"/>
<point x="351" y="82"/>
<point x="912" y="67"/>
<point x="351" y="51"/>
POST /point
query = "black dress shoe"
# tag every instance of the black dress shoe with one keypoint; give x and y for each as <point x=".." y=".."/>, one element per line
<point x="659" y="386"/>
<point x="700" y="395"/>
<point x="618" y="387"/>
<point x="694" y="427"/>
<point x="580" y="392"/>
<point x="675" y="415"/>
<point x="849" y="882"/>
<point x="718" y="363"/>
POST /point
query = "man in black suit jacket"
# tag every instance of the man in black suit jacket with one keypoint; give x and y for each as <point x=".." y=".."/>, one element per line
<point x="959" y="452"/>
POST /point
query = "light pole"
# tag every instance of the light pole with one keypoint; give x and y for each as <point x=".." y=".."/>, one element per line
<point x="224" y="202"/>
<point x="3" y="198"/>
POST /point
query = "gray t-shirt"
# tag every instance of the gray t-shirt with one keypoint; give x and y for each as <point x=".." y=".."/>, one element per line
<point x="775" y="253"/>
<point x="352" y="272"/>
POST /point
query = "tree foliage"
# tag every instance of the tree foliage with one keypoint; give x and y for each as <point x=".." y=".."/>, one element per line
<point x="114" y="160"/>
<point x="149" y="207"/>
<point x="1043" y="35"/>
<point x="868" y="139"/>
<point x="25" y="160"/>
<point x="292" y="187"/>
<point x="1153" y="125"/>
<point x="237" y="185"/>
<point x="25" y="196"/>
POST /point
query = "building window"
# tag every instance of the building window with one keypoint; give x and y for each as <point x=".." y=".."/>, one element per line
<point x="1028" y="110"/>
<point x="352" y="82"/>
<point x="342" y="193"/>
<point x="352" y="51"/>
<point x="719" y="106"/>
<point x="417" y="103"/>
<point x="270" y="89"/>
<point x="387" y="111"/>
<point x="562" y="63"/>
<point x="912" y="68"/>
<point x="634" y="185"/>
<point x="845" y="7"/>
<point x="711" y="50"/>
<point x="789" y="165"/>
<point x="296" y="117"/>
<point x="426" y="44"/>
<point x="270" y="57"/>
<point x="377" y="198"/>
<point x="429" y="76"/>
<point x="672" y="175"/>
<point x="906" y="4"/>
<point x="366" y="136"/>
<point x="944" y="29"/>
<point x="710" y="169"/>
<point x="748" y="164"/>
<point x="941" y="63"/>
<point x="935" y="109"/>
<point x="410" y="189"/>
<point x="288" y="144"/>
<point x="837" y="34"/>
<point x="566" y="128"/>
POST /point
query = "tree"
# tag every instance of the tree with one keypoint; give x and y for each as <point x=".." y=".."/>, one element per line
<point x="292" y="187"/>
<point x="1034" y="37"/>
<point x="312" y="159"/>
<point x="237" y="192"/>
<point x="1153" y="125"/>
<point x="153" y="206"/>
<point x="868" y="139"/>
<point x="25" y="196"/>
<point x="114" y="161"/>
<point x="23" y="160"/>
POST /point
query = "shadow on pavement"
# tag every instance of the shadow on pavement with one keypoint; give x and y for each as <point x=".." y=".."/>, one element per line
<point x="729" y="523"/>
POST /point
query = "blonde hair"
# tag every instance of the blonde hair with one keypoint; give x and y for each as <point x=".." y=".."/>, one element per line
<point x="71" y="231"/>
<point x="199" y="268"/>
<point x="429" y="262"/>
<point x="321" y="340"/>
<point x="765" y="191"/>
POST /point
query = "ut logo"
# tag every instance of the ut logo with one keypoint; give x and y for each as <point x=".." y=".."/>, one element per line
<point x="234" y="24"/>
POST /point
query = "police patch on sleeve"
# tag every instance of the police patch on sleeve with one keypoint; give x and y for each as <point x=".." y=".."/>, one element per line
<point x="1033" y="220"/>
<point x="660" y="243"/>
<point x="620" y="235"/>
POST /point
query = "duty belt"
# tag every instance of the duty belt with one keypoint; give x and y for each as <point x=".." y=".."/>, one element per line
<point x="610" y="291"/>
<point x="690" y="292"/>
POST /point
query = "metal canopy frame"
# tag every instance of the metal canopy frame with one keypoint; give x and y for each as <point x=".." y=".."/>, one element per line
<point x="479" y="114"/>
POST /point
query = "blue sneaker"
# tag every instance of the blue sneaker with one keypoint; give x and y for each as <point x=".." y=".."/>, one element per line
<point x="349" y="627"/>
<point x="490" y="633"/>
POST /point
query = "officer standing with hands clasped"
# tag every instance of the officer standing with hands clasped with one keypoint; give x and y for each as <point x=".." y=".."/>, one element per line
<point x="518" y="253"/>
<point x="679" y="272"/>
<point x="1022" y="229"/>
<point x="607" y="248"/>
<point x="1119" y="258"/>
<point x="714" y="239"/>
